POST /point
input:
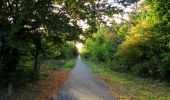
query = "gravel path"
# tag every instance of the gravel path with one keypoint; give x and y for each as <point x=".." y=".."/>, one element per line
<point x="82" y="85"/>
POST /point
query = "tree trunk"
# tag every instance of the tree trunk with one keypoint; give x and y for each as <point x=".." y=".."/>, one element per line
<point x="36" y="63"/>
<point x="10" y="88"/>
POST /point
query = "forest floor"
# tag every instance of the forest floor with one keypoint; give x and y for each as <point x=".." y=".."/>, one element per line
<point x="51" y="79"/>
<point x="128" y="87"/>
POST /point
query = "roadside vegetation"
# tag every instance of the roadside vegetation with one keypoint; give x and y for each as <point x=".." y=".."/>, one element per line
<point x="52" y="75"/>
<point x="135" y="53"/>
<point x="125" y="86"/>
<point x="140" y="45"/>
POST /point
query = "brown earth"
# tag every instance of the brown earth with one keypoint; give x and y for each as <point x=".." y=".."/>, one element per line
<point x="42" y="89"/>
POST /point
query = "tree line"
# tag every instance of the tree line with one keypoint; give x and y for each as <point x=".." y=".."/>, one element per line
<point x="140" y="45"/>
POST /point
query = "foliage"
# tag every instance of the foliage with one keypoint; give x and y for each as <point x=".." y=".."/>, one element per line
<point x="141" y="45"/>
<point x="100" y="46"/>
<point x="145" y="44"/>
<point x="68" y="51"/>
<point x="34" y="30"/>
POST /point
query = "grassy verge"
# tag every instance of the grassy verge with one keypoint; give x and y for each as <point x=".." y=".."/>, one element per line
<point x="69" y="64"/>
<point x="58" y="65"/>
<point x="52" y="76"/>
<point x="128" y="87"/>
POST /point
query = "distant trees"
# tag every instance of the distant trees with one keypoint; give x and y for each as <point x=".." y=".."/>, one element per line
<point x="142" y="44"/>
<point x="100" y="46"/>
<point x="67" y="51"/>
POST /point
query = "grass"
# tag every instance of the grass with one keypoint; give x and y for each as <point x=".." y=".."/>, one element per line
<point x="128" y="87"/>
<point x="53" y="64"/>
<point x="70" y="64"/>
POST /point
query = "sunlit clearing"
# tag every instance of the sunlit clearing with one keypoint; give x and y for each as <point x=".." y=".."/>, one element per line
<point x="79" y="46"/>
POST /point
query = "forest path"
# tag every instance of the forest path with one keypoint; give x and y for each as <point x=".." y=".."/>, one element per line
<point x="82" y="85"/>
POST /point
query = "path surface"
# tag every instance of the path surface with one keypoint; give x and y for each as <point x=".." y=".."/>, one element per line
<point x="82" y="85"/>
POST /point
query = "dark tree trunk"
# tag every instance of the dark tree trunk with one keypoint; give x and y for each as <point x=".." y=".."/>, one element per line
<point x="36" y="63"/>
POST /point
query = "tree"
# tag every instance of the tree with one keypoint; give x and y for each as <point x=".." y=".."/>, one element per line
<point x="100" y="46"/>
<point x="33" y="29"/>
<point x="141" y="45"/>
<point x="145" y="48"/>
